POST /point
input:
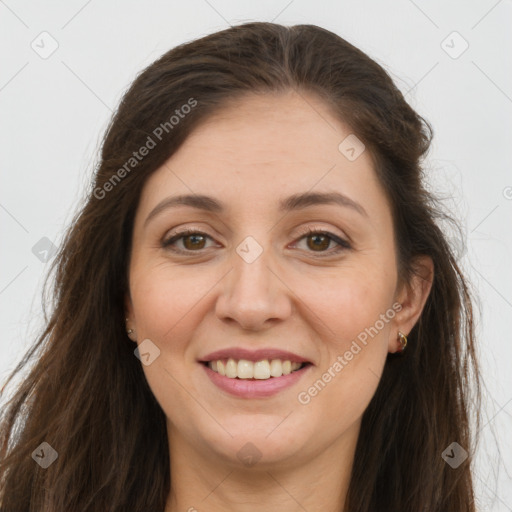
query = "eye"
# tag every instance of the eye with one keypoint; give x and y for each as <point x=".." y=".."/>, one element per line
<point x="191" y="239"/>
<point x="319" y="240"/>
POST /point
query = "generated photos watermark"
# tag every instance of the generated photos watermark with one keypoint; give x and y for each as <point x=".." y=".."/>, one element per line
<point x="305" y="397"/>
<point x="151" y="142"/>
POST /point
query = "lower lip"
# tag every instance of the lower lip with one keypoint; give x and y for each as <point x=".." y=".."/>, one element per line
<point x="245" y="388"/>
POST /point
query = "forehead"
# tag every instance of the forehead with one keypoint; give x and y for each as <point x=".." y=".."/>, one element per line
<point x="262" y="147"/>
<point x="270" y="128"/>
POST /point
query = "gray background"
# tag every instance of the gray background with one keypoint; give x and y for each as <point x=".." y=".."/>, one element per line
<point x="55" y="109"/>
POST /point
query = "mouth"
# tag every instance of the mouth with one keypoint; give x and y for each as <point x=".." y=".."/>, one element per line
<point x="245" y="369"/>
<point x="254" y="375"/>
<point x="262" y="364"/>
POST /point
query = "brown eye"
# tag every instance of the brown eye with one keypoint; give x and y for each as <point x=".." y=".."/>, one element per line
<point x="192" y="241"/>
<point x="318" y="241"/>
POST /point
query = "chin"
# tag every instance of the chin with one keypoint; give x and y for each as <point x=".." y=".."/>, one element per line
<point x="259" y="441"/>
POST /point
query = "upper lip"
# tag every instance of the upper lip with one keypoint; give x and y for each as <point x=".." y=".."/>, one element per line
<point x="254" y="355"/>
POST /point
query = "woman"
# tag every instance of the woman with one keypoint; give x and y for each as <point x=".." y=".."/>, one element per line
<point x="255" y="308"/>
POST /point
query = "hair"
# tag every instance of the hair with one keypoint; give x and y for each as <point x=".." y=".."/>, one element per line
<point x="86" y="394"/>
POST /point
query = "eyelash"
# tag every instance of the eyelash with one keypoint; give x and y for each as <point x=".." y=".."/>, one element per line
<point x="343" y="245"/>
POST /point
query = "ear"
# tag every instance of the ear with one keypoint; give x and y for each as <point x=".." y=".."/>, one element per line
<point x="130" y="320"/>
<point x="412" y="296"/>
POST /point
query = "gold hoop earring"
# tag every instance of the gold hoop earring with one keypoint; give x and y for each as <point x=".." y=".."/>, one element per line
<point x="402" y="338"/>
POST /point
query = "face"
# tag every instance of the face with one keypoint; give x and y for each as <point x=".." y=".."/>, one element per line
<point x="262" y="277"/>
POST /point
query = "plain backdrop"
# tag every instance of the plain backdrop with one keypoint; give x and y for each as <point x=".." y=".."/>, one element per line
<point x="65" y="65"/>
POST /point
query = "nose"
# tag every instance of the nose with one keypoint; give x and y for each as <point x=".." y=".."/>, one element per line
<point x="253" y="295"/>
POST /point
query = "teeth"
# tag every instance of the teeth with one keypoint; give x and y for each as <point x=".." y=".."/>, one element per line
<point x="245" y="369"/>
<point x="262" y="370"/>
<point x="231" y="369"/>
<point x="276" y="368"/>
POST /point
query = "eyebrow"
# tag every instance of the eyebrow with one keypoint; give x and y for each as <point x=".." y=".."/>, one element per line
<point x="291" y="203"/>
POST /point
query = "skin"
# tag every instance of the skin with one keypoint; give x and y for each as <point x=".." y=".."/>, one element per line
<point x="248" y="156"/>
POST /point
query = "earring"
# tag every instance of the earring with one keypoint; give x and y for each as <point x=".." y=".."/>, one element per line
<point x="403" y="341"/>
<point x="130" y="331"/>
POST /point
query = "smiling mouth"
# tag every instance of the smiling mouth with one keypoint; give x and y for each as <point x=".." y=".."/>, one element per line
<point x="258" y="370"/>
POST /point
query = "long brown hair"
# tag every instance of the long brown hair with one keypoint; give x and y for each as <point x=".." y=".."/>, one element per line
<point x="86" y="394"/>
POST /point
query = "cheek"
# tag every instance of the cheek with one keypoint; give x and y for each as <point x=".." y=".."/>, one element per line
<point x="351" y="301"/>
<point x="341" y="388"/>
<point x="356" y="310"/>
<point x="164" y="303"/>
<point x="166" y="311"/>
